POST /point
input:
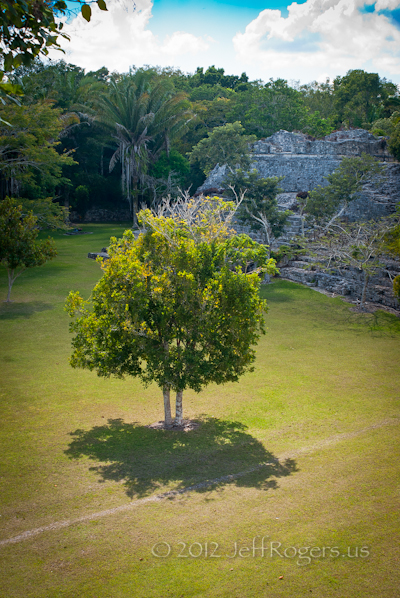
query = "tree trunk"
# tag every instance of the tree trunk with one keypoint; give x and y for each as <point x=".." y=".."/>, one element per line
<point x="135" y="208"/>
<point x="364" y="291"/>
<point x="178" y="408"/>
<point x="267" y="239"/>
<point x="11" y="279"/>
<point x="332" y="220"/>
<point x="167" y="406"/>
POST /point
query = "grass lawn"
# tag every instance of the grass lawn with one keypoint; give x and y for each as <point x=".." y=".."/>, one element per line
<point x="312" y="435"/>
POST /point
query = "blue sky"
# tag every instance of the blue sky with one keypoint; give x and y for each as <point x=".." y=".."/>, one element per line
<point x="300" y="41"/>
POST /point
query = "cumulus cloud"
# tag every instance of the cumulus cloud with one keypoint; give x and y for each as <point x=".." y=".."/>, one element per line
<point x="321" y="37"/>
<point x="120" y="38"/>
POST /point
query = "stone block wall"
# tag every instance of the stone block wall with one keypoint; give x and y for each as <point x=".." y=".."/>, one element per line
<point x="101" y="215"/>
<point x="304" y="162"/>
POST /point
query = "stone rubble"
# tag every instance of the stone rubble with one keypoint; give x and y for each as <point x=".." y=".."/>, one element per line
<point x="304" y="162"/>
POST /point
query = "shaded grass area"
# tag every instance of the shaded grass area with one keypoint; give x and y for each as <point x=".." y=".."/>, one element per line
<point x="74" y="444"/>
<point x="145" y="459"/>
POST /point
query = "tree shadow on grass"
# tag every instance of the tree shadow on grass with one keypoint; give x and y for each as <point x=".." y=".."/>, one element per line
<point x="146" y="459"/>
<point x="11" y="311"/>
<point x="378" y="323"/>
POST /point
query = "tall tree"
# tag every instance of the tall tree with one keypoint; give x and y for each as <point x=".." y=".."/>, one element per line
<point x="319" y="97"/>
<point x="144" y="114"/>
<point x="29" y="160"/>
<point x="65" y="85"/>
<point x="19" y="248"/>
<point x="173" y="309"/>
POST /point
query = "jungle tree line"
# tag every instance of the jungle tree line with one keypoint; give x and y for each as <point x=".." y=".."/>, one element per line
<point x="115" y="140"/>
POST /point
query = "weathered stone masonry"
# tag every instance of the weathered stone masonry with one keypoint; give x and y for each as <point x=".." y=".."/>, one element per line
<point x="304" y="162"/>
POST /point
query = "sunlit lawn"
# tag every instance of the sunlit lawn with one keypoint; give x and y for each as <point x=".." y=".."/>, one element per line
<point x="321" y="408"/>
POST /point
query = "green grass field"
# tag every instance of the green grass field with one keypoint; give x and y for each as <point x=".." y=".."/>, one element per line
<point x="321" y="411"/>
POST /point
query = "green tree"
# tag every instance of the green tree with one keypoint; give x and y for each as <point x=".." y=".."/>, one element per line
<point x="265" y="109"/>
<point x="48" y="212"/>
<point x="361" y="98"/>
<point x="389" y="127"/>
<point x="394" y="139"/>
<point x="175" y="163"/>
<point x="385" y="126"/>
<point x="216" y="77"/>
<point x="319" y="97"/>
<point x="259" y="208"/>
<point x="144" y="114"/>
<point x="65" y="85"/>
<point x="209" y="115"/>
<point x="30" y="27"/>
<point x="327" y="204"/>
<point x="225" y="145"/>
<point x="313" y="124"/>
<point x="29" y="162"/>
<point x="172" y="307"/>
<point x="19" y="248"/>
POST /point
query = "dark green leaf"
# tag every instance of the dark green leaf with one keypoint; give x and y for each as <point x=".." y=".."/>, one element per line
<point x="86" y="12"/>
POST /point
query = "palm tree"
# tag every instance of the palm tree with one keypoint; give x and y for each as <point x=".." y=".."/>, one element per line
<point x="145" y="114"/>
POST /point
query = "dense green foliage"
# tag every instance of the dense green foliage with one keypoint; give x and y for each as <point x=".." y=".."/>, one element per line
<point x="30" y="164"/>
<point x="259" y="207"/>
<point x="131" y="134"/>
<point x="144" y="115"/>
<point x="264" y="109"/>
<point x="327" y="203"/>
<point x="172" y="308"/>
<point x="361" y="98"/>
<point x="30" y="27"/>
<point x="225" y="145"/>
<point x="19" y="248"/>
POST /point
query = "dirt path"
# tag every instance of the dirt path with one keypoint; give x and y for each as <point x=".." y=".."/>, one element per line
<point x="158" y="497"/>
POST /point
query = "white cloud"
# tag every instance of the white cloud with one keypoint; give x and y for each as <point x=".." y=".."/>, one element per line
<point x="320" y="37"/>
<point x="120" y="38"/>
<point x="182" y="43"/>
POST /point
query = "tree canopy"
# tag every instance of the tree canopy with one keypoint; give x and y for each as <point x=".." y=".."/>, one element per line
<point x="145" y="115"/>
<point x="29" y="160"/>
<point x="174" y="308"/>
<point x="30" y="27"/>
<point x="225" y="145"/>
<point x="19" y="248"/>
<point x="188" y="115"/>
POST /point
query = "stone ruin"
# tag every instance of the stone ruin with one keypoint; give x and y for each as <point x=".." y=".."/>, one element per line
<point x="304" y="162"/>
